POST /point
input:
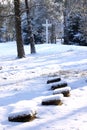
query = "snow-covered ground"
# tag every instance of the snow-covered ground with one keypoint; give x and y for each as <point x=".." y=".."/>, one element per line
<point x="23" y="86"/>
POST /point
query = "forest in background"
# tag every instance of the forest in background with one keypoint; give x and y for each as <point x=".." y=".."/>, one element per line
<point x="68" y="19"/>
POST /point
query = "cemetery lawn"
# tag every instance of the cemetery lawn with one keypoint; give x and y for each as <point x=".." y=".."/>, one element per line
<point x="23" y="85"/>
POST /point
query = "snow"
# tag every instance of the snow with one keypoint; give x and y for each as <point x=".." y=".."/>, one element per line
<point x="59" y="83"/>
<point x="29" y="111"/>
<point x="53" y="97"/>
<point x="61" y="90"/>
<point x="23" y="84"/>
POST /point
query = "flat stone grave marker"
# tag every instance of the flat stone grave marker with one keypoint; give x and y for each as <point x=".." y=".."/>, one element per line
<point x="22" y="116"/>
<point x="53" y="100"/>
<point x="53" y="80"/>
<point x="65" y="91"/>
<point x="60" y="84"/>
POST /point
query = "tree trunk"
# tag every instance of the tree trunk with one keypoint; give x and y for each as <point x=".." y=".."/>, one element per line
<point x="20" y="47"/>
<point x="30" y="33"/>
<point x="53" y="35"/>
<point x="66" y="38"/>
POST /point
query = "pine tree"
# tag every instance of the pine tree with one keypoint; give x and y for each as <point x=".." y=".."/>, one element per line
<point x="73" y="23"/>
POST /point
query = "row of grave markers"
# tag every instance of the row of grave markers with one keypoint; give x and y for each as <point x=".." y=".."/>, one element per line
<point x="59" y="88"/>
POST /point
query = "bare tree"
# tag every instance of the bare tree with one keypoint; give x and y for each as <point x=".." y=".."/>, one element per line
<point x="65" y="12"/>
<point x="30" y="33"/>
<point x="20" y="47"/>
<point x="53" y="35"/>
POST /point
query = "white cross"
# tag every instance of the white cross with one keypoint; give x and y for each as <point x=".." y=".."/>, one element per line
<point x="47" y="25"/>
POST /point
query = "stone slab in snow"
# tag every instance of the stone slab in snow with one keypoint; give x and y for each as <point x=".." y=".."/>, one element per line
<point x="53" y="80"/>
<point x="22" y="116"/>
<point x="53" y="100"/>
<point x="65" y="91"/>
<point x="61" y="84"/>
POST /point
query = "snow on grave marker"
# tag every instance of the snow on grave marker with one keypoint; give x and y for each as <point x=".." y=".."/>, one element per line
<point x="61" y="84"/>
<point x="53" y="100"/>
<point x="22" y="116"/>
<point x="65" y="91"/>
<point x="47" y="25"/>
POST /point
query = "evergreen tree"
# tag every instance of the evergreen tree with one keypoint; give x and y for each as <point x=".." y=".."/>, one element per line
<point x="75" y="36"/>
<point x="73" y="22"/>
